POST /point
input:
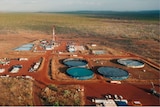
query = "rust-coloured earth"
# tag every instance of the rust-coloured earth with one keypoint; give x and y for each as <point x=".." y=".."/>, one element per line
<point x="134" y="88"/>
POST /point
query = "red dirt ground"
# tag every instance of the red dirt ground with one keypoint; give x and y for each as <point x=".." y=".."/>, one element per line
<point x="93" y="89"/>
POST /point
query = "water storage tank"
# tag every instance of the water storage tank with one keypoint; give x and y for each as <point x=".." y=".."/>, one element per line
<point x="80" y="73"/>
<point x="133" y="63"/>
<point x="75" y="62"/>
<point x="113" y="73"/>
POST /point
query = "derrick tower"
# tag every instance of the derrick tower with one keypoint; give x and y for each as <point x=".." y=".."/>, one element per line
<point x="54" y="34"/>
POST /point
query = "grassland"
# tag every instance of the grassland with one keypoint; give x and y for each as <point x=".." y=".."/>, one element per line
<point x="131" y="35"/>
<point x="82" y="25"/>
<point x="151" y="15"/>
<point x="16" y="92"/>
<point x="61" y="95"/>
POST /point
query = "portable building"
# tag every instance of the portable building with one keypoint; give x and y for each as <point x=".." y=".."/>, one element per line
<point x="2" y="70"/>
<point x="15" y="70"/>
<point x="98" y="52"/>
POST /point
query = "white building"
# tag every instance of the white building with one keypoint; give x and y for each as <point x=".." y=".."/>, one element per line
<point x="105" y="102"/>
<point x="15" y="70"/>
<point x="79" y="48"/>
<point x="98" y="52"/>
<point x="49" y="47"/>
<point x="71" y="48"/>
<point x="23" y="59"/>
<point x="93" y="45"/>
<point x="2" y="70"/>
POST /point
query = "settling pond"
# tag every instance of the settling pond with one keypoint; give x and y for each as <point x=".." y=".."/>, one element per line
<point x="25" y="47"/>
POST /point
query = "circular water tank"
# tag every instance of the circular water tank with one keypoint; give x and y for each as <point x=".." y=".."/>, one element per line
<point x="113" y="73"/>
<point x="133" y="63"/>
<point x="80" y="73"/>
<point x="75" y="62"/>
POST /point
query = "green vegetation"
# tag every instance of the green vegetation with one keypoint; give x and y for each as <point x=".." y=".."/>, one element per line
<point x="53" y="87"/>
<point x="56" y="103"/>
<point x="66" y="92"/>
<point x="64" y="95"/>
<point x="16" y="91"/>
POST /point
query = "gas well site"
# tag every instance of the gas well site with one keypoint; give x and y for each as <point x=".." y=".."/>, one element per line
<point x="70" y="60"/>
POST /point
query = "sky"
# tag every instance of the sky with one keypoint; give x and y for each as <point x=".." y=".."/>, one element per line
<point x="76" y="5"/>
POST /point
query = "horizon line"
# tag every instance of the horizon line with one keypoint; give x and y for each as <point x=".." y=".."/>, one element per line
<point x="77" y="11"/>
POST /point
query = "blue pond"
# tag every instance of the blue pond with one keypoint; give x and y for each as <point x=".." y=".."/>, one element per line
<point x="121" y="103"/>
<point x="25" y="47"/>
<point x="75" y="62"/>
<point x="80" y="73"/>
<point x="113" y="73"/>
